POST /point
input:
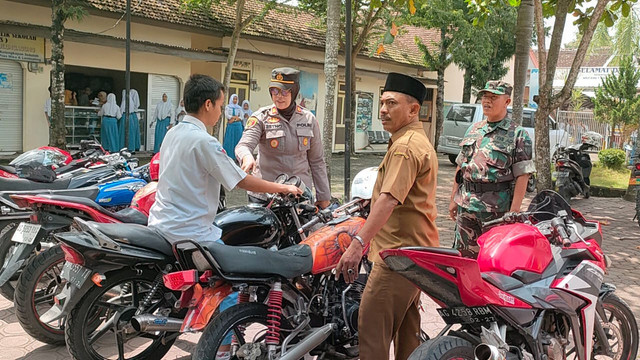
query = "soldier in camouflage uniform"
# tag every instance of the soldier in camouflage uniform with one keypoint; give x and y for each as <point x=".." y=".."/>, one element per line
<point x="494" y="166"/>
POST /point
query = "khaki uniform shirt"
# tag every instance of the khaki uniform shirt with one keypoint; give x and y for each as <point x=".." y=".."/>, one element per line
<point x="291" y="147"/>
<point x="408" y="173"/>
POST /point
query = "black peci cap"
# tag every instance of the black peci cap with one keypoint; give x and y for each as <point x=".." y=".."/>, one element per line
<point x="406" y="85"/>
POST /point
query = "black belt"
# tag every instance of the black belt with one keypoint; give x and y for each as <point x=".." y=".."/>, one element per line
<point x="477" y="187"/>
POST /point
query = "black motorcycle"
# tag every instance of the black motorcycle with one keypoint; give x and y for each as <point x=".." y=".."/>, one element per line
<point x="113" y="272"/>
<point x="572" y="170"/>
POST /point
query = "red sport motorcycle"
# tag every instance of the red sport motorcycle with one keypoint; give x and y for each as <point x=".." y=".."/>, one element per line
<point x="536" y="291"/>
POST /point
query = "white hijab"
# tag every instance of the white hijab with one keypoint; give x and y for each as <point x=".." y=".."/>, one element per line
<point x="233" y="109"/>
<point x="164" y="109"/>
<point x="110" y="108"/>
<point x="134" y="101"/>
<point x="178" y="111"/>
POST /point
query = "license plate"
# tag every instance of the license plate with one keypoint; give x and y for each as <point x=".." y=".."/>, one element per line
<point x="75" y="274"/>
<point x="26" y="233"/>
<point x="467" y="315"/>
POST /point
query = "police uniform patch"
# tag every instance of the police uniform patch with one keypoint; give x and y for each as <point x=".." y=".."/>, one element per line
<point x="298" y="108"/>
<point x="273" y="119"/>
<point x="252" y="121"/>
<point x="305" y="141"/>
<point x="273" y="111"/>
<point x="274" y="143"/>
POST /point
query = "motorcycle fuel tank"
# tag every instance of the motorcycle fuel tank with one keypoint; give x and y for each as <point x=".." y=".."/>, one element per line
<point x="331" y="241"/>
<point x="249" y="225"/>
<point x="507" y="248"/>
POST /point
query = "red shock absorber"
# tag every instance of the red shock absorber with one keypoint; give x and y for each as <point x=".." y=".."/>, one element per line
<point x="243" y="297"/>
<point x="274" y="314"/>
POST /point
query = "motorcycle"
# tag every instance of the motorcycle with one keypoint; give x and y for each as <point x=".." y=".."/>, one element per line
<point x="57" y="159"/>
<point x="289" y="303"/>
<point x="290" y="299"/>
<point x="123" y="265"/>
<point x="573" y="167"/>
<point x="536" y="290"/>
<point x="35" y="259"/>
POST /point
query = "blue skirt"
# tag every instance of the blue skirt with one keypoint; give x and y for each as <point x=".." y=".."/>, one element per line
<point x="232" y="137"/>
<point x="134" y="132"/>
<point x="161" y="131"/>
<point x="109" y="134"/>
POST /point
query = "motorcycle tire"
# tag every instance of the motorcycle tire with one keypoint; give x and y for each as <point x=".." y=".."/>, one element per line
<point x="216" y="330"/>
<point x="444" y="348"/>
<point x="25" y="293"/>
<point x="616" y="308"/>
<point x="77" y="332"/>
<point x="565" y="193"/>
<point x="6" y="245"/>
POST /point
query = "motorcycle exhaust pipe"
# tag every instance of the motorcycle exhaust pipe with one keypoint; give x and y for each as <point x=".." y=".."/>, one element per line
<point x="309" y="343"/>
<point x="152" y="323"/>
<point x="487" y="352"/>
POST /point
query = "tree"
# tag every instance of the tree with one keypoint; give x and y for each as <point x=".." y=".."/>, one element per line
<point x="331" y="76"/>
<point x="601" y="40"/>
<point x="61" y="11"/>
<point x="549" y="101"/>
<point x="617" y="101"/>
<point x="371" y="18"/>
<point x="524" y="30"/>
<point x="243" y="19"/>
<point x="481" y="51"/>
<point x="626" y="41"/>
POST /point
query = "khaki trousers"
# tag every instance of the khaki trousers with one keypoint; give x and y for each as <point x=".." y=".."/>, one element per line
<point x="388" y="312"/>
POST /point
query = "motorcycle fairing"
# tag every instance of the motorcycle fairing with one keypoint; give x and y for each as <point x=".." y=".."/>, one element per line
<point x="451" y="280"/>
<point x="204" y="303"/>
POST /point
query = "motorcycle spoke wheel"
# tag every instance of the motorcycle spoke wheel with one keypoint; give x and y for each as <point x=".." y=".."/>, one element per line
<point x="115" y="302"/>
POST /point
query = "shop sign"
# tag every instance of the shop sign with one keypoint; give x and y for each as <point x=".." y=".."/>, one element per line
<point x="21" y="47"/>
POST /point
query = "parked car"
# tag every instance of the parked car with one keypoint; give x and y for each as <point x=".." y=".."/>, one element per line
<point x="461" y="116"/>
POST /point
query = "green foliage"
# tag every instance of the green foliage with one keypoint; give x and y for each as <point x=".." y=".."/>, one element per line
<point x="612" y="158"/>
<point x="617" y="101"/>
<point x="73" y="10"/>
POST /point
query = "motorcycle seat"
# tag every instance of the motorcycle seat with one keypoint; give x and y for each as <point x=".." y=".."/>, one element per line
<point x="255" y="261"/>
<point x="14" y="184"/>
<point x="8" y="168"/>
<point x="501" y="281"/>
<point x="136" y="235"/>
<point x="89" y="193"/>
<point x="123" y="216"/>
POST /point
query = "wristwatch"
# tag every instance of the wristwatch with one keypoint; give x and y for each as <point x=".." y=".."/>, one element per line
<point x="357" y="237"/>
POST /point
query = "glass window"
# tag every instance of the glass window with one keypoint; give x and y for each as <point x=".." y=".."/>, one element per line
<point x="461" y="114"/>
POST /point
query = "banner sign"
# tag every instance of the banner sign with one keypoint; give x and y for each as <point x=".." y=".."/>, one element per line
<point x="21" y="47"/>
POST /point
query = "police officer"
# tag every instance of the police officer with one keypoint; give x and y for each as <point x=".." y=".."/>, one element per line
<point x="288" y="139"/>
<point x="494" y="166"/>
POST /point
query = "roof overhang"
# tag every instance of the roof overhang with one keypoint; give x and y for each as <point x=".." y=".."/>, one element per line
<point x="115" y="42"/>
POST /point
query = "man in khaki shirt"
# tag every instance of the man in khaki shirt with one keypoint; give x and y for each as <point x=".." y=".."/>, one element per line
<point x="403" y="213"/>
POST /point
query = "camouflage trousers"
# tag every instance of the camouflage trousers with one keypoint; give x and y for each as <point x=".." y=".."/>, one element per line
<point x="469" y="228"/>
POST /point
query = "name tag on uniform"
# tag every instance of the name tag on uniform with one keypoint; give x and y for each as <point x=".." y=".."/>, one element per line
<point x="304" y="125"/>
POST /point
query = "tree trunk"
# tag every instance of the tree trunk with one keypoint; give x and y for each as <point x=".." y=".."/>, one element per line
<point x="466" y="89"/>
<point x="58" y="130"/>
<point x="231" y="58"/>
<point x="331" y="76"/>
<point x="439" y="107"/>
<point x="524" y="30"/>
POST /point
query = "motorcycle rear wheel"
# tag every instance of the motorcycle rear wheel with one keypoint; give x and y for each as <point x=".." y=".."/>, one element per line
<point x="444" y="348"/>
<point x="6" y="249"/>
<point x="118" y="286"/>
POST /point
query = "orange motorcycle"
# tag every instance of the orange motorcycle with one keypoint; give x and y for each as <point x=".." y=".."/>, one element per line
<point x="288" y="301"/>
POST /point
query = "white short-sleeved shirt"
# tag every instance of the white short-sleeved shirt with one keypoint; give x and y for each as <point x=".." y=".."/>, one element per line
<point x="193" y="165"/>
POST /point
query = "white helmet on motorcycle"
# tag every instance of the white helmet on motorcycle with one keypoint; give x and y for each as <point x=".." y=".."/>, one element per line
<point x="592" y="138"/>
<point x="363" y="182"/>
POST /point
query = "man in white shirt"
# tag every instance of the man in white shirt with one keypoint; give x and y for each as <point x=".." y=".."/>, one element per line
<point x="193" y="166"/>
<point x="47" y="108"/>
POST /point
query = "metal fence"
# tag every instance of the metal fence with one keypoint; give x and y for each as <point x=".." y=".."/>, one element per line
<point x="575" y="123"/>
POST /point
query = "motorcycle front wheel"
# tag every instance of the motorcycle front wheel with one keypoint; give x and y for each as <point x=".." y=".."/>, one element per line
<point x="621" y="329"/>
<point x="444" y="348"/>
<point x="244" y="324"/>
<point x="118" y="298"/>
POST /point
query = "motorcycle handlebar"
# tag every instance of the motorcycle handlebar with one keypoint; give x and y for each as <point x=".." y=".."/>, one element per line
<point x="559" y="227"/>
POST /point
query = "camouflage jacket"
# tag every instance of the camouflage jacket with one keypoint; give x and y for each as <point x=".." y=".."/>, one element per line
<point x="493" y="153"/>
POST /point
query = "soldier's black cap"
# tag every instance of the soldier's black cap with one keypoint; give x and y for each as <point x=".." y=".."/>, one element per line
<point x="406" y="85"/>
<point x="284" y="78"/>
